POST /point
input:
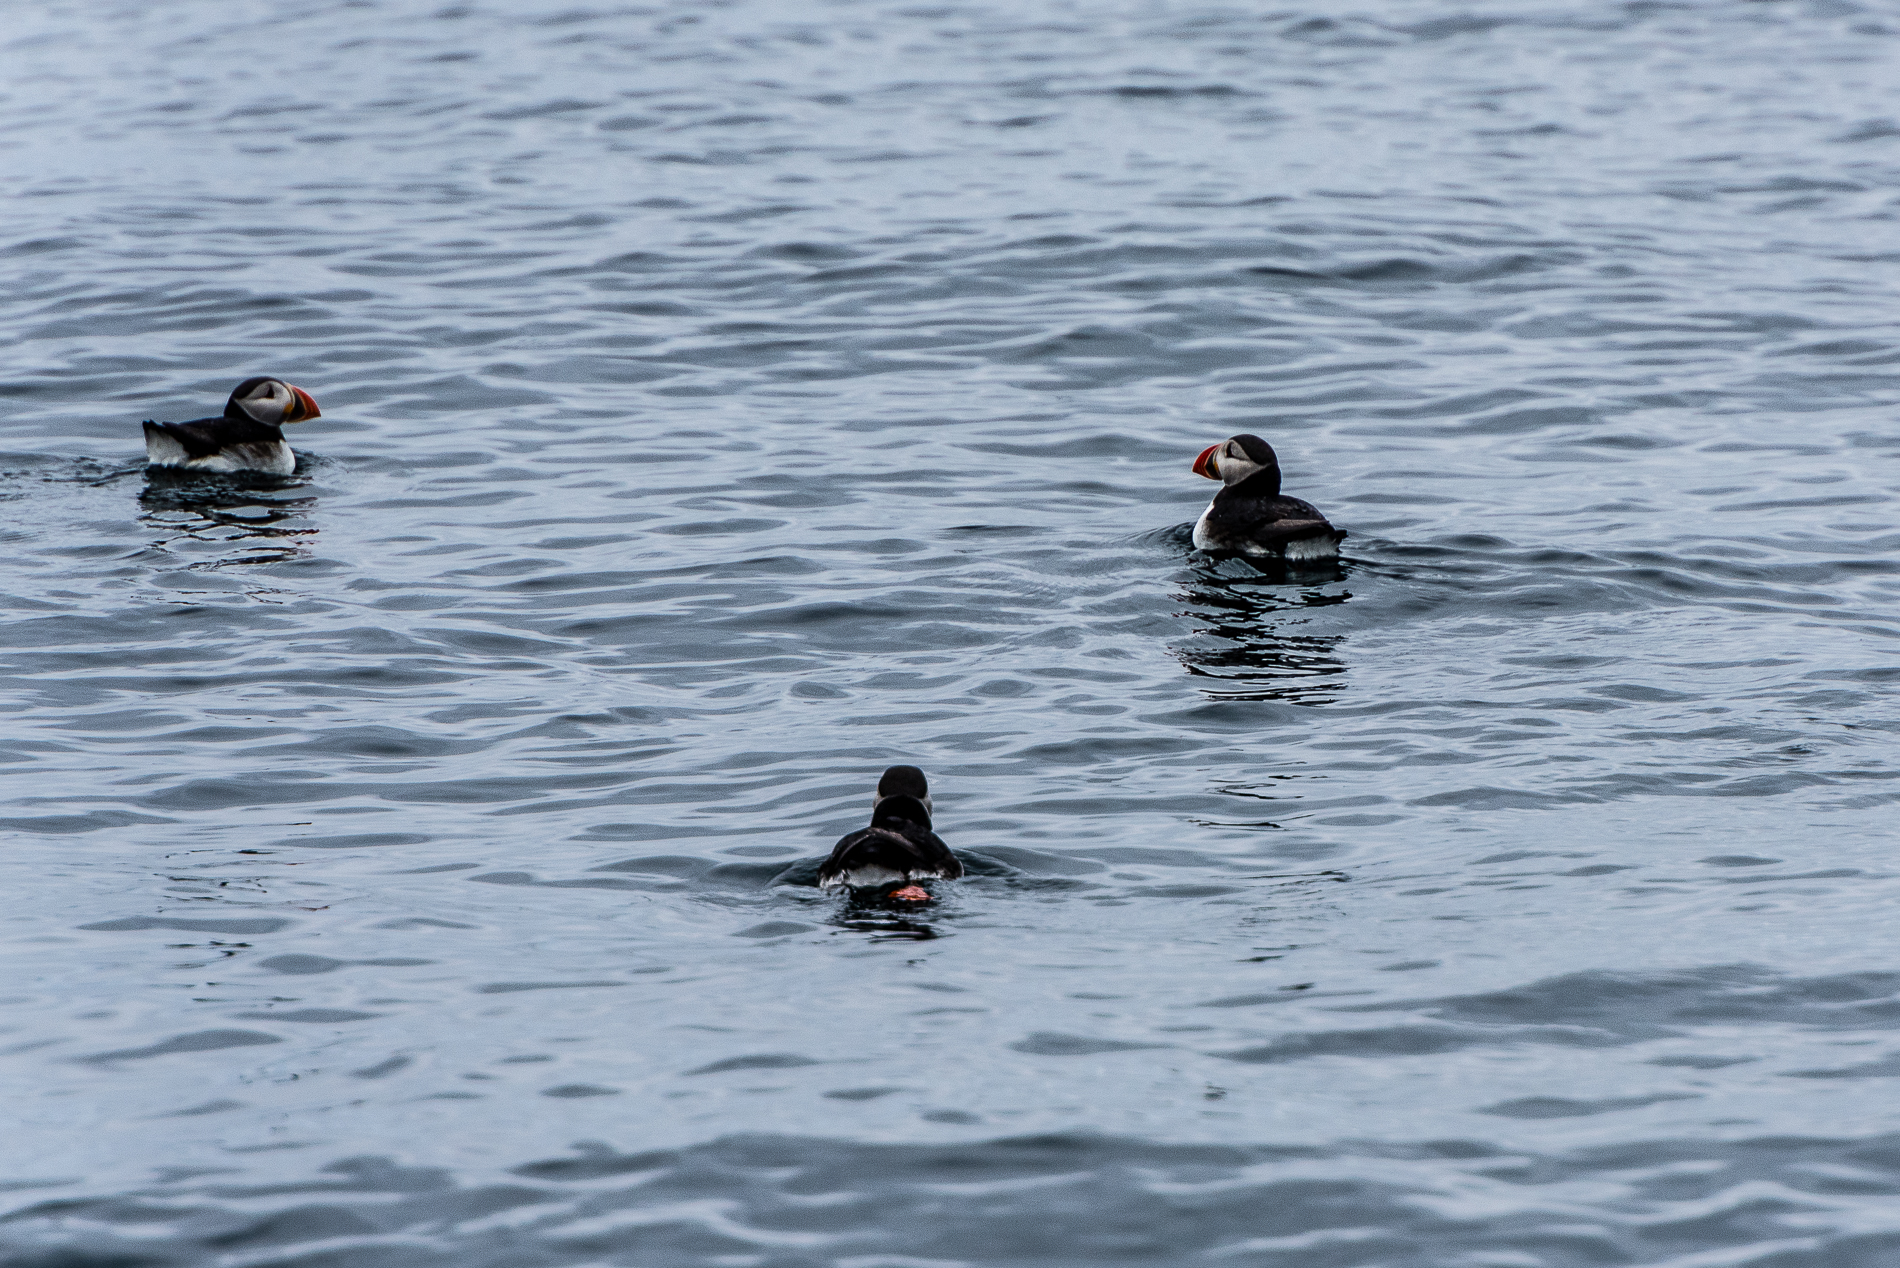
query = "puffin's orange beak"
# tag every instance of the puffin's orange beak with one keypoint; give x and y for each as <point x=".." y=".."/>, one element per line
<point x="306" y="406"/>
<point x="1204" y="465"/>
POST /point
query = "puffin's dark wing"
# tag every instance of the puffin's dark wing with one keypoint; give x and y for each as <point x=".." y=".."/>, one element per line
<point x="1287" y="508"/>
<point x="1268" y="521"/>
<point x="938" y="861"/>
<point x="866" y="850"/>
<point x="199" y="439"/>
<point x="1279" y="533"/>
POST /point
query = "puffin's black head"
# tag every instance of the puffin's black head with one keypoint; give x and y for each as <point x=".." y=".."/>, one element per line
<point x="1240" y="458"/>
<point x="270" y="401"/>
<point x="904" y="781"/>
<point x="898" y="809"/>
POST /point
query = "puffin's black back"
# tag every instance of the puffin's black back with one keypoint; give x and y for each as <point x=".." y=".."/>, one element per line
<point x="1237" y="520"/>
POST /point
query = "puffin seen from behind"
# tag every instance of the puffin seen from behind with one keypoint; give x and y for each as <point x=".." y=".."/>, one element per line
<point x="1249" y="516"/>
<point x="245" y="438"/>
<point x="898" y="846"/>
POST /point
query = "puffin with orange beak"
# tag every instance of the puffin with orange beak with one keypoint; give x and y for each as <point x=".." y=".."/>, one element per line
<point x="1249" y="516"/>
<point x="245" y="438"/>
<point x="898" y="847"/>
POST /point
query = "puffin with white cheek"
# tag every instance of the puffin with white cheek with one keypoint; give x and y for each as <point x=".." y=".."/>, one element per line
<point x="246" y="438"/>
<point x="1249" y="516"/>
<point x="898" y="845"/>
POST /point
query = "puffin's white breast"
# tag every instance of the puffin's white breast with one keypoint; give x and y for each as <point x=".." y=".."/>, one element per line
<point x="1202" y="539"/>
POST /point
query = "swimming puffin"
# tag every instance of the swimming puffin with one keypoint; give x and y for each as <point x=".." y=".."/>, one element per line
<point x="245" y="438"/>
<point x="1248" y="516"/>
<point x="898" y="845"/>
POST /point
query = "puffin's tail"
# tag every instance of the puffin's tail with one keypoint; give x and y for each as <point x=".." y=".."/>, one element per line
<point x="162" y="449"/>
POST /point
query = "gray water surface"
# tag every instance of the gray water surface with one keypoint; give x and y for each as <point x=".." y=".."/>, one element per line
<point x="723" y="401"/>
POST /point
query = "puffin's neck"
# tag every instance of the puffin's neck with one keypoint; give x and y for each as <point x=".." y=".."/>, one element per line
<point x="894" y="811"/>
<point x="1261" y="484"/>
<point x="232" y="414"/>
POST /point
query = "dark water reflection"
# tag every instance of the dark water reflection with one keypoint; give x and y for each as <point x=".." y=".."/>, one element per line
<point x="235" y="519"/>
<point x="886" y="927"/>
<point x="1250" y="641"/>
<point x="723" y="402"/>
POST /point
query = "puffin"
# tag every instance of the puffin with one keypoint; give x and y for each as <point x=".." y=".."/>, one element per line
<point x="246" y="437"/>
<point x="1249" y="516"/>
<point x="898" y="846"/>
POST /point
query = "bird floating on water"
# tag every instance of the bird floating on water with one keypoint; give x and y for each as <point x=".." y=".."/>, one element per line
<point x="898" y="847"/>
<point x="1249" y="516"/>
<point x="247" y="437"/>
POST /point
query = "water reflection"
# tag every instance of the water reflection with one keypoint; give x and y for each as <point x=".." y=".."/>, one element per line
<point x="883" y="926"/>
<point x="885" y="918"/>
<point x="1251" y="619"/>
<point x="207" y="513"/>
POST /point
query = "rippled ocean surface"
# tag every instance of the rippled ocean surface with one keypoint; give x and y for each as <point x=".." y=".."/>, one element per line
<point x="723" y="401"/>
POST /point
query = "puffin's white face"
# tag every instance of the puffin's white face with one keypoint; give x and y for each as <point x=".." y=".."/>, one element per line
<point x="1226" y="462"/>
<point x="275" y="402"/>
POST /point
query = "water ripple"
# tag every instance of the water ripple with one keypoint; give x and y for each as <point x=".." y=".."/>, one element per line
<point x="722" y="404"/>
